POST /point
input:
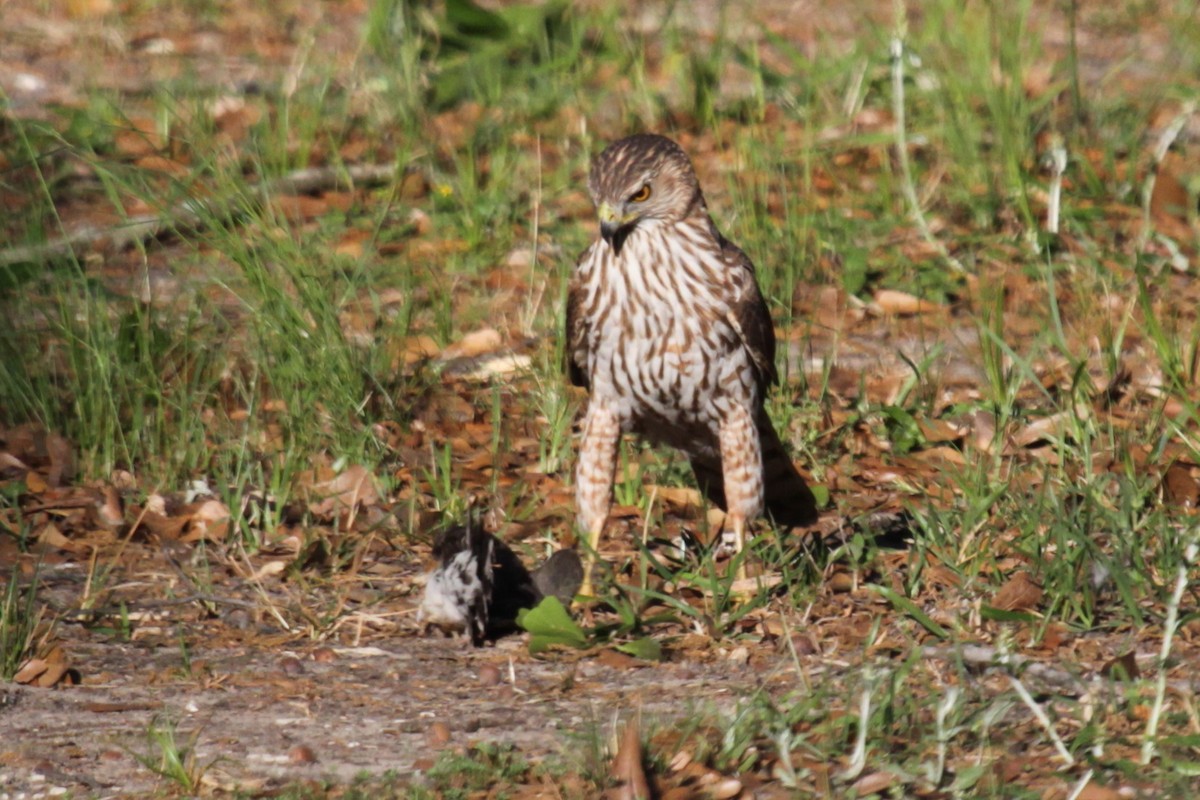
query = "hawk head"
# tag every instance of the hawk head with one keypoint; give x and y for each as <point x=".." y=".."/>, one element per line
<point x="640" y="179"/>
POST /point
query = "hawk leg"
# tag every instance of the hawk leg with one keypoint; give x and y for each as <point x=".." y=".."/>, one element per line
<point x="594" y="480"/>
<point x="787" y="499"/>
<point x="742" y="471"/>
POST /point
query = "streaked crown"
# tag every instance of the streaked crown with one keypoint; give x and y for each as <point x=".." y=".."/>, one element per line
<point x="642" y="176"/>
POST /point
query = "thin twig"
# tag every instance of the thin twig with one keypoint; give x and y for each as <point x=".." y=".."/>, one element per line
<point x="1058" y="166"/>
<point x="1169" y="628"/>
<point x="1168" y="137"/>
<point x="906" y="182"/>
<point x="191" y="213"/>
<point x="943" y="736"/>
<point x="1081" y="785"/>
<point x="858" y="758"/>
<point x="1041" y="717"/>
<point x="1041" y="675"/>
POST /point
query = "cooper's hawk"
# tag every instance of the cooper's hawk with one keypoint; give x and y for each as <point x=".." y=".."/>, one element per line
<point x="669" y="333"/>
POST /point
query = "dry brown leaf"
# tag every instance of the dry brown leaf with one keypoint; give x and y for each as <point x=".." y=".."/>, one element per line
<point x="167" y="166"/>
<point x="983" y="428"/>
<point x="1170" y="197"/>
<point x="1048" y="428"/>
<point x="301" y="207"/>
<point x="899" y="303"/>
<point x="355" y="485"/>
<point x="35" y="483"/>
<point x="62" y="460"/>
<point x="1054" y="637"/>
<point x="748" y="586"/>
<point x="1094" y="791"/>
<point x="627" y="770"/>
<point x="1124" y="667"/>
<point x="618" y="660"/>
<point x="11" y="466"/>
<point x="30" y="672"/>
<point x="47" y="671"/>
<point x="420" y="222"/>
<point x="936" y="431"/>
<point x="108" y="508"/>
<point x="51" y="537"/>
<point x="234" y="116"/>
<point x="350" y="246"/>
<point x="54" y="673"/>
<point x="162" y="526"/>
<point x="679" y="499"/>
<point x="210" y="521"/>
<point x="1019" y="593"/>
<point x="874" y="783"/>
<point x="419" y="348"/>
<point x="120" y="708"/>
<point x="940" y="456"/>
<point x="268" y="570"/>
<point x="141" y="138"/>
<point x="724" y="789"/>
<point x="89" y="8"/>
<point x="485" y="340"/>
<point x="1180" y="486"/>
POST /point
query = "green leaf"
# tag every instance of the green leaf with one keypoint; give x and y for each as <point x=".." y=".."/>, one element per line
<point x="966" y="778"/>
<point x="471" y="19"/>
<point x="1189" y="768"/>
<point x="550" y="625"/>
<point x="854" y="269"/>
<point x="820" y="494"/>
<point x="1182" y="740"/>
<point x="644" y="648"/>
<point x="910" y="608"/>
<point x="903" y="428"/>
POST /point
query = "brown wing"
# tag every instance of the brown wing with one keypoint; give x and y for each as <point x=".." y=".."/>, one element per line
<point x="576" y="330"/>
<point x="749" y="314"/>
<point x="787" y="498"/>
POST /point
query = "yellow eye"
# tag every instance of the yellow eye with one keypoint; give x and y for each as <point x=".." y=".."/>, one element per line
<point x="641" y="195"/>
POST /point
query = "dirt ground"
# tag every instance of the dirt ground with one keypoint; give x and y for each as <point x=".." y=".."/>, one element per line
<point x="265" y="716"/>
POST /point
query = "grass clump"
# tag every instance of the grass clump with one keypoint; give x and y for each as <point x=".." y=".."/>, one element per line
<point x="20" y="616"/>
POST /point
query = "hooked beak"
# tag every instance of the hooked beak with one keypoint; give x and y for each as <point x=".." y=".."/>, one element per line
<point x="613" y="229"/>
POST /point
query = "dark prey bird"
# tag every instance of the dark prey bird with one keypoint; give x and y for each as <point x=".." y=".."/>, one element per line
<point x="479" y="583"/>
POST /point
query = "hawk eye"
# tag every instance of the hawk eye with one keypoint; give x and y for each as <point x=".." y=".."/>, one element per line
<point x="641" y="195"/>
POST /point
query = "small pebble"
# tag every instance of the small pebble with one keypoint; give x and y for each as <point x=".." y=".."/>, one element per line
<point x="439" y="734"/>
<point x="489" y="675"/>
<point x="238" y="618"/>
<point x="804" y="644"/>
<point x="841" y="582"/>
<point x="291" y="666"/>
<point x="725" y="789"/>
<point x="324" y="655"/>
<point x="680" y="760"/>
<point x="302" y="754"/>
